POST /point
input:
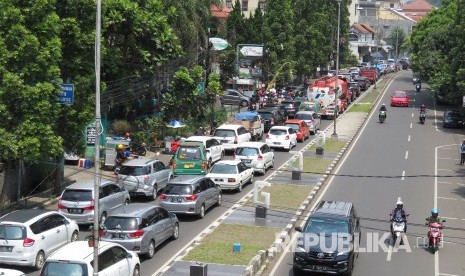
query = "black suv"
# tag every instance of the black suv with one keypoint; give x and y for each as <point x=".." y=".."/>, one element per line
<point x="271" y="118"/>
<point x="329" y="218"/>
<point x="292" y="107"/>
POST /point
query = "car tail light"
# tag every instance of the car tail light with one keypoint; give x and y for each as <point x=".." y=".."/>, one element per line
<point x="162" y="196"/>
<point x="235" y="140"/>
<point x="267" y="136"/>
<point x="287" y="137"/>
<point x="231" y="180"/>
<point x="191" y="197"/>
<point x="272" y="121"/>
<point x="137" y="234"/>
<point x="146" y="179"/>
<point x="61" y="206"/>
<point x="259" y="157"/>
<point x="204" y="165"/>
<point x="28" y="242"/>
<point x="91" y="207"/>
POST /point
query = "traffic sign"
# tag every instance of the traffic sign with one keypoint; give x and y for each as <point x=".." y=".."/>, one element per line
<point x="200" y="88"/>
<point x="67" y="94"/>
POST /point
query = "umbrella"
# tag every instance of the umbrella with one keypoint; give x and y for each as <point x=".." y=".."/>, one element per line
<point x="175" y="124"/>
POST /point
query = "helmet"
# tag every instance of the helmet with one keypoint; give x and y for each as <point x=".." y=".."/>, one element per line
<point x="399" y="203"/>
<point x="120" y="147"/>
<point x="423" y="106"/>
<point x="383" y="104"/>
<point x="434" y="212"/>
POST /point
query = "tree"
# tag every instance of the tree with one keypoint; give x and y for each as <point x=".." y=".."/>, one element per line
<point x="236" y="26"/>
<point x="397" y="38"/>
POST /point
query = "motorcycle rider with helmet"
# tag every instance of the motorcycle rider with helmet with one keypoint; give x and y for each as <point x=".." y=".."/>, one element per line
<point x="422" y="108"/>
<point x="399" y="212"/>
<point x="434" y="218"/>
<point x="383" y="108"/>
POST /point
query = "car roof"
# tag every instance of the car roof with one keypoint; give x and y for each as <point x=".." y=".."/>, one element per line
<point x="87" y="184"/>
<point x="305" y="112"/>
<point x="132" y="210"/>
<point x="229" y="126"/>
<point x="294" y="121"/>
<point x="191" y="143"/>
<point x="77" y="251"/>
<point x="400" y="91"/>
<point x="251" y="145"/>
<point x="267" y="110"/>
<point x="228" y="162"/>
<point x="198" y="138"/>
<point x="280" y="127"/>
<point x="24" y="215"/>
<point x="139" y="162"/>
<point x="338" y="208"/>
<point x="186" y="179"/>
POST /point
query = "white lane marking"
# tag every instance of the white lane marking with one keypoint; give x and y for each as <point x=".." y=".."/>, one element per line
<point x="450" y="183"/>
<point x="412" y="114"/>
<point x="444" y="274"/>
<point x="403" y="175"/>
<point x="411" y="125"/>
<point x="444" y="182"/>
<point x="448" y="198"/>
<point x="408" y="139"/>
<point x="406" y="154"/>
<point x="446" y="170"/>
<point x="446" y="158"/>
<point x="450" y="218"/>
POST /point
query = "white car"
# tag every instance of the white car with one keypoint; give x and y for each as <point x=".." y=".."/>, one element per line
<point x="312" y="119"/>
<point x="10" y="272"/>
<point x="76" y="259"/>
<point x="255" y="155"/>
<point x="281" y="137"/>
<point x="28" y="236"/>
<point x="231" y="136"/>
<point x="215" y="150"/>
<point x="231" y="174"/>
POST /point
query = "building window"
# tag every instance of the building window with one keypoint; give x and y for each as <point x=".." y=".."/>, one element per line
<point x="245" y="5"/>
<point x="229" y="4"/>
<point x="391" y="5"/>
<point x="261" y="6"/>
<point x="371" y="12"/>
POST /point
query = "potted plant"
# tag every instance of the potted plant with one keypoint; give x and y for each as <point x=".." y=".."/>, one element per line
<point x="90" y="237"/>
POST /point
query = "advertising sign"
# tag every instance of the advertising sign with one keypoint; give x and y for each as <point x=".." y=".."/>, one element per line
<point x="67" y="94"/>
<point x="252" y="51"/>
<point x="91" y="135"/>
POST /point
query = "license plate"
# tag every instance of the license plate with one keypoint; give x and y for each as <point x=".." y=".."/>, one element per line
<point x="74" y="211"/>
<point x="188" y="166"/>
<point x="6" y="248"/>
<point x="225" y="141"/>
<point x="276" y="143"/>
<point x="246" y="160"/>
<point x="318" y="267"/>
<point x="118" y="236"/>
<point x="176" y="199"/>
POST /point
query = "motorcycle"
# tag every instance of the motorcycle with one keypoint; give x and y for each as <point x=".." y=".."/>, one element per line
<point x="434" y="235"/>
<point x="418" y="87"/>
<point x="422" y="117"/>
<point x="398" y="229"/>
<point x="139" y="149"/>
<point x="382" y="116"/>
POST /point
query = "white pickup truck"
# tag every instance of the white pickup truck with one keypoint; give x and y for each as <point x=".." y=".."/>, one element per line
<point x="252" y="122"/>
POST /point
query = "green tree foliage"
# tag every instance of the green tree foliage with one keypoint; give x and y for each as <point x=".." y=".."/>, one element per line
<point x="30" y="51"/>
<point x="227" y="66"/>
<point x="236" y="26"/>
<point x="255" y="25"/>
<point x="397" y="37"/>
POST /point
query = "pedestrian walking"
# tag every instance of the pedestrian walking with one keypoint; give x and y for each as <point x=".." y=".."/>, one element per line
<point x="462" y="152"/>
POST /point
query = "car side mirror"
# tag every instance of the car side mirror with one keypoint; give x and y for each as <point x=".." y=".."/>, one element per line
<point x="298" y="229"/>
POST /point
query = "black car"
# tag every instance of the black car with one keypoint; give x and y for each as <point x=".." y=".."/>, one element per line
<point x="271" y="118"/>
<point x="277" y="107"/>
<point x="452" y="118"/>
<point x="330" y="221"/>
<point x="292" y="107"/>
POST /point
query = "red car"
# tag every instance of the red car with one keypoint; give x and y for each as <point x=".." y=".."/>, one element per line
<point x="300" y="127"/>
<point x="399" y="98"/>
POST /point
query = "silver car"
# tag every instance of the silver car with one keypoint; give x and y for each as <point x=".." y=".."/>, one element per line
<point x="312" y="119"/>
<point x="29" y="236"/>
<point x="77" y="200"/>
<point x="141" y="227"/>
<point x="191" y="194"/>
<point x="144" y="177"/>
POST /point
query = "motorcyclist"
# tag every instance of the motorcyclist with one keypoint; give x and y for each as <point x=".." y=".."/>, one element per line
<point x="434" y="218"/>
<point x="120" y="155"/>
<point x="399" y="212"/>
<point x="383" y="108"/>
<point x="422" y="108"/>
<point x="213" y="127"/>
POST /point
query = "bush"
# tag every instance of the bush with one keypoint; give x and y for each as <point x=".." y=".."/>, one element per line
<point x="120" y="127"/>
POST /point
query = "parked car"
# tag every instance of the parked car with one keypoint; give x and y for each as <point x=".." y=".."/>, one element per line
<point x="231" y="136"/>
<point x="11" y="272"/>
<point x="271" y="118"/>
<point x="292" y="107"/>
<point x="231" y="174"/>
<point x="144" y="177"/>
<point x="300" y="127"/>
<point x="141" y="227"/>
<point x="234" y="97"/>
<point x="75" y="259"/>
<point x="452" y="118"/>
<point x="77" y="200"/>
<point x="191" y="195"/>
<point x="281" y="137"/>
<point x="256" y="155"/>
<point x="31" y="235"/>
<point x="190" y="158"/>
<point x="215" y="150"/>
<point x="399" y="98"/>
<point x="327" y="219"/>
<point x="312" y="119"/>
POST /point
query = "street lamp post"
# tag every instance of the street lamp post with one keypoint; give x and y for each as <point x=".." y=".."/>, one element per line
<point x="334" y="135"/>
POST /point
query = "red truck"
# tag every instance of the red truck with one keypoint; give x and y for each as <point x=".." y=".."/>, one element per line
<point x="369" y="73"/>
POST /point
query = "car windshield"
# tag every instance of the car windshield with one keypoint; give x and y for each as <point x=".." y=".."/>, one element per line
<point x="296" y="127"/>
<point x="121" y="223"/>
<point x="188" y="153"/>
<point x="352" y="85"/>
<point x="12" y="232"/>
<point x="278" y="132"/>
<point x="64" y="268"/>
<point x="302" y="116"/>
<point x="246" y="151"/>
<point x="453" y="114"/>
<point x="266" y="115"/>
<point x="287" y="104"/>
<point x="224" y="133"/>
<point x="134" y="171"/>
<point x="399" y="95"/>
<point x="178" y="189"/>
<point x="327" y="226"/>
<point x="77" y="195"/>
<point x="308" y="107"/>
<point x="223" y="169"/>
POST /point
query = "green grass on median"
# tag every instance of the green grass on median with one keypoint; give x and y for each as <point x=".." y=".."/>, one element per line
<point x="360" y="107"/>
<point x="217" y="247"/>
<point x="316" y="165"/>
<point x="285" y="196"/>
<point x="330" y="146"/>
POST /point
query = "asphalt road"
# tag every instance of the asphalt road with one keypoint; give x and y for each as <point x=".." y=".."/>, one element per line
<point x="190" y="227"/>
<point x="401" y="158"/>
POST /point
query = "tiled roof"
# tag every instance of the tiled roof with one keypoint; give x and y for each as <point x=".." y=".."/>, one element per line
<point x="370" y="29"/>
<point x="417" y="6"/>
<point x="219" y="13"/>
<point x="363" y="28"/>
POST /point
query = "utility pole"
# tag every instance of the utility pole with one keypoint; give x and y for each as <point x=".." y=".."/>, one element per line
<point x="336" y="111"/>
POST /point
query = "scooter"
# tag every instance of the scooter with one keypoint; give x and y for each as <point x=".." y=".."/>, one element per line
<point x="382" y="116"/>
<point x="434" y="235"/>
<point x="418" y="87"/>
<point x="422" y="117"/>
<point x="398" y="229"/>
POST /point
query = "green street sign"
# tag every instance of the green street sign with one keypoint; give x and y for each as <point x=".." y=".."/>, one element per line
<point x="200" y="88"/>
